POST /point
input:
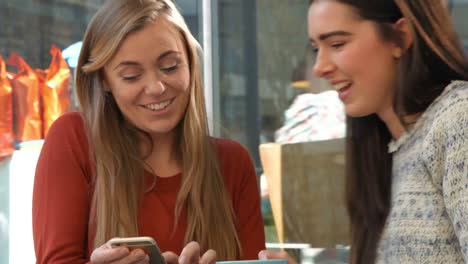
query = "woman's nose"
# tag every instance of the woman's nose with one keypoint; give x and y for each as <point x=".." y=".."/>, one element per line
<point x="156" y="87"/>
<point x="323" y="65"/>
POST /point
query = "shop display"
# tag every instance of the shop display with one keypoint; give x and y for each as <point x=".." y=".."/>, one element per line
<point x="6" y="113"/>
<point x="31" y="99"/>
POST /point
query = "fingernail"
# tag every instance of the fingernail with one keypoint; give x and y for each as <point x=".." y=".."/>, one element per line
<point x="123" y="250"/>
<point x="262" y="255"/>
<point x="182" y="260"/>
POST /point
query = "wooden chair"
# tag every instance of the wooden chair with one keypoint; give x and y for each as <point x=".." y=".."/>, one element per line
<point x="306" y="186"/>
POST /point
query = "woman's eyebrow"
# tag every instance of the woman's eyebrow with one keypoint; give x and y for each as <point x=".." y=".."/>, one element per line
<point x="167" y="53"/>
<point x="330" y="34"/>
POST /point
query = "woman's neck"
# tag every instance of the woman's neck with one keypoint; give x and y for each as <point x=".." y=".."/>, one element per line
<point x="164" y="160"/>
<point x="393" y="123"/>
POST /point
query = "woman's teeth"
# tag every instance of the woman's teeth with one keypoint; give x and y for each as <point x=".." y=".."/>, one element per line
<point x="159" y="106"/>
<point x="341" y="85"/>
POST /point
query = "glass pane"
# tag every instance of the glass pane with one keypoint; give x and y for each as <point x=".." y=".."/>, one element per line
<point x="260" y="43"/>
<point x="191" y="10"/>
<point x="262" y="47"/>
<point x="30" y="29"/>
<point x="459" y="9"/>
<point x="264" y="64"/>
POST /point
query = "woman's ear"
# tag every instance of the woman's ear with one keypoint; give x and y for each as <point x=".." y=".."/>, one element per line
<point x="406" y="37"/>
<point x="106" y="86"/>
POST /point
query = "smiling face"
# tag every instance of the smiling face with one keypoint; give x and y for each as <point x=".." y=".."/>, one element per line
<point x="149" y="78"/>
<point x="353" y="57"/>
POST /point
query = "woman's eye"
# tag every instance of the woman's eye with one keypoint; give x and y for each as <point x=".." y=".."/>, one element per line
<point x="169" y="68"/>
<point x="313" y="47"/>
<point x="337" y="45"/>
<point x="130" y="77"/>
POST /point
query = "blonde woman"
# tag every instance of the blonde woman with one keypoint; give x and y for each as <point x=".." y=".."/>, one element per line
<point x="138" y="161"/>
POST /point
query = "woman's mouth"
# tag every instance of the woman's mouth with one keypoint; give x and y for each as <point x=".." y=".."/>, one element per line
<point x="159" y="106"/>
<point x="343" y="89"/>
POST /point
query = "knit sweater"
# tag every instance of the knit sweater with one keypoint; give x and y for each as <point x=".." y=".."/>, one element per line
<point x="428" y="219"/>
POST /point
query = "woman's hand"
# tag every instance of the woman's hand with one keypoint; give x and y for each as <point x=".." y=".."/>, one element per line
<point x="191" y="254"/>
<point x="118" y="255"/>
<point x="267" y="254"/>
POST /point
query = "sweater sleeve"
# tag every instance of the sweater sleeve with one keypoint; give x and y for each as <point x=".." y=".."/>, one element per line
<point x="247" y="206"/>
<point x="447" y="161"/>
<point x="60" y="206"/>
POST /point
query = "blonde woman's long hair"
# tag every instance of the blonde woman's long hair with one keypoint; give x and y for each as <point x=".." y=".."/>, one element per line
<point x="119" y="168"/>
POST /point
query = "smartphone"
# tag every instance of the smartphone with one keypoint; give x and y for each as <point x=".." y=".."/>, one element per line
<point x="147" y="244"/>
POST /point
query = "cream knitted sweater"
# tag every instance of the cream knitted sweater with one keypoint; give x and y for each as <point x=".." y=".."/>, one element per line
<point x="428" y="220"/>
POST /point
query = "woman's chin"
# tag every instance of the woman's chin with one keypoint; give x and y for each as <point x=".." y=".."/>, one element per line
<point x="353" y="111"/>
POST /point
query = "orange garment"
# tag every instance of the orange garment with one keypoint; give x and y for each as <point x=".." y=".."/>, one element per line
<point x="55" y="89"/>
<point x="7" y="136"/>
<point x="26" y="101"/>
<point x="61" y="198"/>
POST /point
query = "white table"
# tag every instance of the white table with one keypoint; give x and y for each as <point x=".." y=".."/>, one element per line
<point x="19" y="170"/>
